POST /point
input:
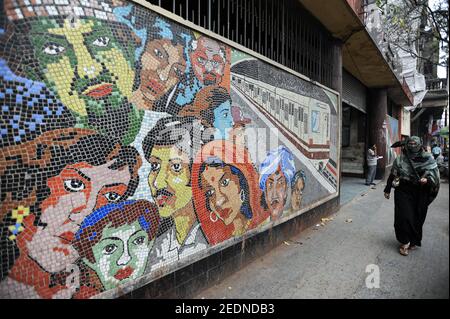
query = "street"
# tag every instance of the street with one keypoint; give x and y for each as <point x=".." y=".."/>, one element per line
<point x="330" y="260"/>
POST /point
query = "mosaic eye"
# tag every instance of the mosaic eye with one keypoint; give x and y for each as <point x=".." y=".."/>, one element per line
<point x="109" y="249"/>
<point x="155" y="166"/>
<point x="201" y="60"/>
<point x="101" y="42"/>
<point x="176" y="167"/>
<point x="178" y="71"/>
<point x="209" y="193"/>
<point x="225" y="182"/>
<point x="158" y="54"/>
<point x="74" y="185"/>
<point x="112" y="197"/>
<point x="139" y="241"/>
<point x="53" y="49"/>
<point x="225" y="114"/>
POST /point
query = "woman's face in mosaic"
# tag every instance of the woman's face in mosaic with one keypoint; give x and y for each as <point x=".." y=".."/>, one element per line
<point x="77" y="191"/>
<point x="222" y="191"/>
<point x="121" y="254"/>
<point x="297" y="194"/>
<point x="223" y="120"/>
<point x="163" y="65"/>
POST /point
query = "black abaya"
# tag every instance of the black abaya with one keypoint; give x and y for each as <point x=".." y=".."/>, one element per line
<point x="411" y="206"/>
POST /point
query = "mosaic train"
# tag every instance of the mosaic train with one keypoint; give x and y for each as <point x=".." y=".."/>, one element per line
<point x="125" y="146"/>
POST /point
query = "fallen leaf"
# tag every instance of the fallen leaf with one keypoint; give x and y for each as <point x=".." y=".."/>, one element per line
<point x="348" y="220"/>
<point x="286" y="243"/>
<point x="229" y="288"/>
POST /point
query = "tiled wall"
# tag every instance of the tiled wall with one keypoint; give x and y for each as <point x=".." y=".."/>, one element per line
<point x="131" y="145"/>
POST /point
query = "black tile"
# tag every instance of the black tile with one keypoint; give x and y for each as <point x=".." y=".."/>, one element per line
<point x="200" y="267"/>
<point x="214" y="260"/>
<point x="184" y="274"/>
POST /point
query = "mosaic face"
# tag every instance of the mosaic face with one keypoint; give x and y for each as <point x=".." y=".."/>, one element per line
<point x="208" y="61"/>
<point x="75" y="193"/>
<point x="223" y="193"/>
<point x="276" y="192"/>
<point x="297" y="194"/>
<point x="223" y="120"/>
<point x="121" y="254"/>
<point x="83" y="62"/>
<point x="163" y="65"/>
<point x="169" y="179"/>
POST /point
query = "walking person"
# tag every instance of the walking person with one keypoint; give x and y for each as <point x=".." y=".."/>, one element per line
<point x="372" y="159"/>
<point x="415" y="177"/>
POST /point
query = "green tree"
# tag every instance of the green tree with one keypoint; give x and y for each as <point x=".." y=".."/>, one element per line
<point x="410" y="23"/>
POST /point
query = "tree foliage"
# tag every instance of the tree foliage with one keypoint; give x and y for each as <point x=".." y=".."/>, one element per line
<point x="408" y="23"/>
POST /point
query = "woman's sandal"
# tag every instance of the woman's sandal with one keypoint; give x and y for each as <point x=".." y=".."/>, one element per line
<point x="404" y="249"/>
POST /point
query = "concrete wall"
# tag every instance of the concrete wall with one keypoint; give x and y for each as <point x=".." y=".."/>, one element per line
<point x="133" y="147"/>
<point x="405" y="126"/>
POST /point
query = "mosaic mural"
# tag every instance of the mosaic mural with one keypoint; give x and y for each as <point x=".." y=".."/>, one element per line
<point x="130" y="143"/>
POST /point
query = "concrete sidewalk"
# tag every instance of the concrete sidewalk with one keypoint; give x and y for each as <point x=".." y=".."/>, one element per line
<point x="330" y="261"/>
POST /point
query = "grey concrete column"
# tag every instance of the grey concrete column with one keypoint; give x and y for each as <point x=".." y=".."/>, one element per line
<point x="377" y="111"/>
<point x="336" y="80"/>
<point x="336" y="84"/>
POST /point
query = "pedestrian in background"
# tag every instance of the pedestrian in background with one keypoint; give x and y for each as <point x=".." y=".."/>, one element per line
<point x="436" y="151"/>
<point x="372" y="159"/>
<point x="415" y="177"/>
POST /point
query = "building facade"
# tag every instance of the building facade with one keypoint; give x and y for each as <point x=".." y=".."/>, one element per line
<point x="147" y="150"/>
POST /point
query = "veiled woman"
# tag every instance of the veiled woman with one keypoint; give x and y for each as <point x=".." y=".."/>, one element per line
<point x="415" y="176"/>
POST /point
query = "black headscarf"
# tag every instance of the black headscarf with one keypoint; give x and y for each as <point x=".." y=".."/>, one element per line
<point x="414" y="163"/>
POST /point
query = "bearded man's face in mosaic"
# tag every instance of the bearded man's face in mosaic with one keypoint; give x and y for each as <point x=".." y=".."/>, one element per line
<point x="83" y="62"/>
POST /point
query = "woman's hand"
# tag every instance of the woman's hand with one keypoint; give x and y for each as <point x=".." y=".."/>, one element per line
<point x="387" y="195"/>
<point x="423" y="181"/>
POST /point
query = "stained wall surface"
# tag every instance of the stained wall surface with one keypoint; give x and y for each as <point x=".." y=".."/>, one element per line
<point x="131" y="144"/>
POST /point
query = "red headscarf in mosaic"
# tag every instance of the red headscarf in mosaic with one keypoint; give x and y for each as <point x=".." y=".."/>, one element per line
<point x="235" y="156"/>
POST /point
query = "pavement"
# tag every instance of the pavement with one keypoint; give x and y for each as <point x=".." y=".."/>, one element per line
<point x="335" y="259"/>
<point x="352" y="187"/>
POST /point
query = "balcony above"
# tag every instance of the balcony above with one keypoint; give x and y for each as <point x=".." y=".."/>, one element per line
<point x="437" y="95"/>
<point x="361" y="55"/>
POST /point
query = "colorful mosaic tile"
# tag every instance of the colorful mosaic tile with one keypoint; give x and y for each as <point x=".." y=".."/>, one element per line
<point x="130" y="143"/>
